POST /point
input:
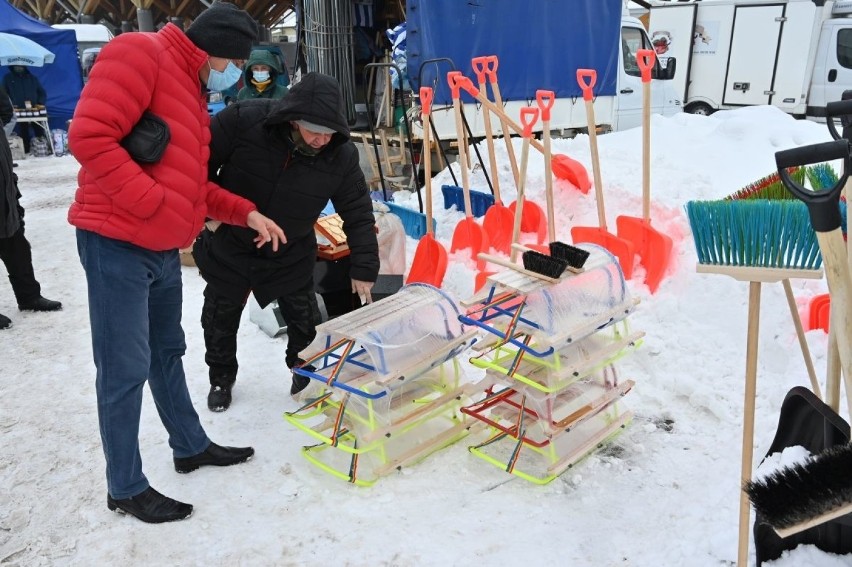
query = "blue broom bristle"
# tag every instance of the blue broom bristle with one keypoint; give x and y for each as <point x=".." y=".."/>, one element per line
<point x="754" y="233"/>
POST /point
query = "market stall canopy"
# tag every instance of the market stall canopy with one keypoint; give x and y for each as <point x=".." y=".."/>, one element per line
<point x="18" y="50"/>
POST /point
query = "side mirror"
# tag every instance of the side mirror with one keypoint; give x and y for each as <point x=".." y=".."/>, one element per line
<point x="666" y="73"/>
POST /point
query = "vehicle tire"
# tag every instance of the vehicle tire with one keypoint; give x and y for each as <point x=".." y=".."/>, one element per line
<point x="700" y="108"/>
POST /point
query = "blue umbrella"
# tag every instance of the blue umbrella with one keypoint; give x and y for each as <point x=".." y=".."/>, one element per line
<point x="18" y="50"/>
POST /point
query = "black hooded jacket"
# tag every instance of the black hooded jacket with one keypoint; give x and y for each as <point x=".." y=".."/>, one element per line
<point x="10" y="211"/>
<point x="252" y="154"/>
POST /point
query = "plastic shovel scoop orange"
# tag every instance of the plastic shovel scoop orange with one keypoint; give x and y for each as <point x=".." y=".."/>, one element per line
<point x="468" y="234"/>
<point x="498" y="218"/>
<point x="619" y="247"/>
<point x="654" y="247"/>
<point x="430" y="258"/>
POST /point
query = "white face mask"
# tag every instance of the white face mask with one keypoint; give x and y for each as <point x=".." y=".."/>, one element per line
<point x="221" y="80"/>
<point x="260" y="76"/>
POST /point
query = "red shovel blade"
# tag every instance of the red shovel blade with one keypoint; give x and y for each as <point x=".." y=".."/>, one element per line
<point x="430" y="262"/>
<point x="469" y="235"/>
<point x="654" y="247"/>
<point x="618" y="247"/>
<point x="533" y="219"/>
<point x="572" y="171"/>
<point x="498" y="226"/>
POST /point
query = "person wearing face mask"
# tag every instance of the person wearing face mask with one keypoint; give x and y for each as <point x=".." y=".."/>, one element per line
<point x="290" y="156"/>
<point x="22" y="87"/>
<point x="261" y="76"/>
<point x="132" y="219"/>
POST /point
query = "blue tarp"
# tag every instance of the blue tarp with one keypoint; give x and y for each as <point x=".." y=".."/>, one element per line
<point x="540" y="44"/>
<point x="61" y="79"/>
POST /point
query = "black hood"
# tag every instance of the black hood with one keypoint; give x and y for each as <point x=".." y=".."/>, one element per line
<point x="316" y="98"/>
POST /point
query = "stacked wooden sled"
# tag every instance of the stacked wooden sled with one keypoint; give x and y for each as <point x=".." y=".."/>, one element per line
<point x="552" y="392"/>
<point x="388" y="388"/>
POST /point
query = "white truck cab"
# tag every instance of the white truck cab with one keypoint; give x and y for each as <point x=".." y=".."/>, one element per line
<point x="793" y="54"/>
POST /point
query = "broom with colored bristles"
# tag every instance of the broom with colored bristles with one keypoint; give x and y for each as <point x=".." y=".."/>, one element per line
<point x="796" y="498"/>
<point x="758" y="240"/>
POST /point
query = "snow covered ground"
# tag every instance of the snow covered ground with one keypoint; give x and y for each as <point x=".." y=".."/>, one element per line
<point x="665" y="492"/>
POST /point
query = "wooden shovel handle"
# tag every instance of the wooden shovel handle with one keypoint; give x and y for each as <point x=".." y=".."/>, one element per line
<point x="587" y="78"/>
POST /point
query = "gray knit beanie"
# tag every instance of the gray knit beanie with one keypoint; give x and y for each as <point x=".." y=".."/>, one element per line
<point x="223" y="30"/>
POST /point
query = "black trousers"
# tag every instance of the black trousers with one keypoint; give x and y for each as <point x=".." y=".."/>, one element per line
<point x="220" y="320"/>
<point x="17" y="256"/>
<point x="26" y="130"/>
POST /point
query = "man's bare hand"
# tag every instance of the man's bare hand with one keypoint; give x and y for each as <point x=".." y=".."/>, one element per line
<point x="363" y="290"/>
<point x="267" y="231"/>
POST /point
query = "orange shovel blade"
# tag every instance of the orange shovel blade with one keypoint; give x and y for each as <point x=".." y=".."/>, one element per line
<point x="654" y="247"/>
<point x="533" y="219"/>
<point x="497" y="224"/>
<point x="618" y="247"/>
<point x="430" y="262"/>
<point x="572" y="171"/>
<point x="469" y="235"/>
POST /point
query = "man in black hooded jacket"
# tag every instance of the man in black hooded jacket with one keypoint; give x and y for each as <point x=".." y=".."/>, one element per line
<point x="15" y="251"/>
<point x="289" y="157"/>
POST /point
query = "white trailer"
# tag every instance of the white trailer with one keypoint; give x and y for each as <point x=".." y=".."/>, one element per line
<point x="793" y="54"/>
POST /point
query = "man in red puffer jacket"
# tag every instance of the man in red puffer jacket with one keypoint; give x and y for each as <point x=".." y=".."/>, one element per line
<point x="132" y="218"/>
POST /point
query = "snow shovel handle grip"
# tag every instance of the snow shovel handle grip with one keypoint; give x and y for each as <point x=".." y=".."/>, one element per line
<point x="425" y="100"/>
<point x="842" y="108"/>
<point x="453" y="79"/>
<point x="645" y="58"/>
<point x="545" y="100"/>
<point x="529" y="116"/>
<point x="823" y="206"/>
<point x="482" y="66"/>
<point x="587" y="78"/>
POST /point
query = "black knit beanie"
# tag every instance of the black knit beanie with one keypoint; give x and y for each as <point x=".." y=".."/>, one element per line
<point x="223" y="30"/>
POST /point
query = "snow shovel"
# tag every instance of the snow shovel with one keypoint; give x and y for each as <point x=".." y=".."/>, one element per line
<point x="619" y="247"/>
<point x="468" y="234"/>
<point x="498" y="218"/>
<point x="653" y="247"/>
<point x="430" y="258"/>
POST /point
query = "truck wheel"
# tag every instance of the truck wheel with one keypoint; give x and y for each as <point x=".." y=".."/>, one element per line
<point x="700" y="108"/>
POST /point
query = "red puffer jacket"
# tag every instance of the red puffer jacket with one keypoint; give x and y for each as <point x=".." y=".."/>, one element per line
<point x="159" y="206"/>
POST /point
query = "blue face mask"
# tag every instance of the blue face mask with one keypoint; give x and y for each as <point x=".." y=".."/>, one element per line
<point x="221" y="80"/>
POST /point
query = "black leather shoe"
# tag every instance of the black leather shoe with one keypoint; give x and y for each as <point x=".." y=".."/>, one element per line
<point x="150" y="506"/>
<point x="5" y="322"/>
<point x="301" y="382"/>
<point x="215" y="455"/>
<point x="219" y="398"/>
<point x="40" y="304"/>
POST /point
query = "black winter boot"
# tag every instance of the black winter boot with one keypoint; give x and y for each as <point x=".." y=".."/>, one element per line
<point x="5" y="322"/>
<point x="301" y="382"/>
<point x="221" y="384"/>
<point x="219" y="398"/>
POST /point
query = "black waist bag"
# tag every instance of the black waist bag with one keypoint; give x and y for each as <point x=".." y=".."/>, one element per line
<point x="148" y="139"/>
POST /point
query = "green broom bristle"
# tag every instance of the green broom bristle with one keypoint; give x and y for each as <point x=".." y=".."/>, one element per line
<point x="754" y="232"/>
<point x="821" y="176"/>
<point x="769" y="187"/>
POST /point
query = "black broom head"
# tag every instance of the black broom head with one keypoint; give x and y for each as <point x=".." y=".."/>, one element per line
<point x="576" y="257"/>
<point x="543" y="264"/>
<point x="803" y="492"/>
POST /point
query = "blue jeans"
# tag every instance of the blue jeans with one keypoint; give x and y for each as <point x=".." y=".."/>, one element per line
<point x="135" y="299"/>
